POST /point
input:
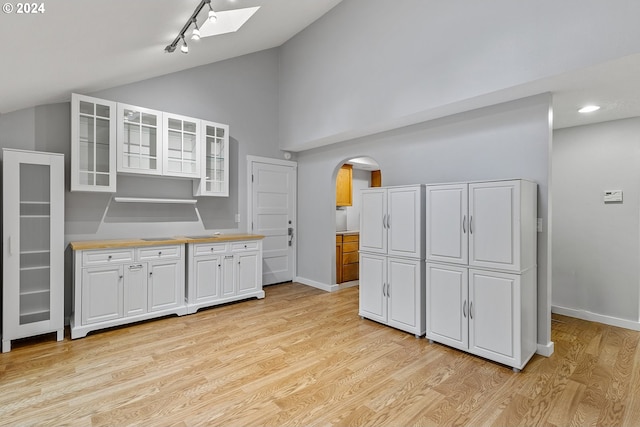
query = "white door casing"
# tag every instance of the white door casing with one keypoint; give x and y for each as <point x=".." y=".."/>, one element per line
<point x="272" y="213"/>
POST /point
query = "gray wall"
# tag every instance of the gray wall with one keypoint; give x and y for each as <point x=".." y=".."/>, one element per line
<point x="505" y="141"/>
<point x="241" y="92"/>
<point x="371" y="65"/>
<point x="596" y="246"/>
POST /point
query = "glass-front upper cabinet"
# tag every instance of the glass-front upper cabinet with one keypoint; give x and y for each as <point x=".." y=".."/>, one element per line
<point x="93" y="148"/>
<point x="214" y="179"/>
<point x="139" y="140"/>
<point x="181" y="146"/>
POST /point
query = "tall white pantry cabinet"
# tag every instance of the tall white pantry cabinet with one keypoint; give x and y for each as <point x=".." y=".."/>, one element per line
<point x="481" y="268"/>
<point x="33" y="245"/>
<point x="392" y="257"/>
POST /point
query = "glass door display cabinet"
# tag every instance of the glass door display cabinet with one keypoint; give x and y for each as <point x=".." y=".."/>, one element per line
<point x="215" y="161"/>
<point x="93" y="150"/>
<point x="33" y="245"/>
<point x="139" y="140"/>
<point x="181" y="146"/>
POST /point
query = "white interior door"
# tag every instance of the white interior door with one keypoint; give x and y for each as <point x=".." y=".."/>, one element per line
<point x="272" y="214"/>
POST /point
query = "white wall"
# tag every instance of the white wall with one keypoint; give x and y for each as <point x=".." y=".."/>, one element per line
<point x="505" y="141"/>
<point x="596" y="246"/>
<point x="373" y="65"/>
<point x="241" y="92"/>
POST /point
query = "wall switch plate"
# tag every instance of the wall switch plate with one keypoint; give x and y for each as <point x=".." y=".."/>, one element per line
<point x="237" y="217"/>
<point x="539" y="225"/>
<point x="613" y="196"/>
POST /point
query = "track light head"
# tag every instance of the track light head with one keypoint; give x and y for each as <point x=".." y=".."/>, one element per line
<point x="184" y="48"/>
<point x="195" y="34"/>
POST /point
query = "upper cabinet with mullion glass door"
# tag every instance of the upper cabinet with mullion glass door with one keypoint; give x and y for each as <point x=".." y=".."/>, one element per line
<point x="214" y="179"/>
<point x="139" y="140"/>
<point x="181" y="146"/>
<point x="93" y="147"/>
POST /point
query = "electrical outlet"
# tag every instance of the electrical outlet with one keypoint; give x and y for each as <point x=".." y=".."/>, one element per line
<point x="237" y="218"/>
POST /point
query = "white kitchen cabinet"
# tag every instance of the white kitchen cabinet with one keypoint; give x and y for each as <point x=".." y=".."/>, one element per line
<point x="487" y="313"/>
<point x="483" y="224"/>
<point x="222" y="272"/>
<point x="139" y="140"/>
<point x="123" y="285"/>
<point x="481" y="268"/>
<point x="214" y="180"/>
<point x="33" y="245"/>
<point x="391" y="221"/>
<point x="392" y="292"/>
<point x="391" y="249"/>
<point x="102" y="294"/>
<point x="181" y="146"/>
<point x="93" y="144"/>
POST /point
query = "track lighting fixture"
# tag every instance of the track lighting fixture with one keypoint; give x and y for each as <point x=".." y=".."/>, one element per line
<point x="184" y="48"/>
<point x="195" y="35"/>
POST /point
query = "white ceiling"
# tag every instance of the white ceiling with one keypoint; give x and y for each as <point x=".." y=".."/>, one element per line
<point x="85" y="46"/>
<point x="89" y="45"/>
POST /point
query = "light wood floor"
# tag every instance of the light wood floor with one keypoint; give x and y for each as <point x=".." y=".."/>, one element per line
<point x="303" y="357"/>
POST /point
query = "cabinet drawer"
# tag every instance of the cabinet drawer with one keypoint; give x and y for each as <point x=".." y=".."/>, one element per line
<point x="244" y="246"/>
<point x="102" y="257"/>
<point x="160" y="252"/>
<point x="350" y="258"/>
<point x="350" y="247"/>
<point x="350" y="238"/>
<point x="208" y="249"/>
<point x="350" y="272"/>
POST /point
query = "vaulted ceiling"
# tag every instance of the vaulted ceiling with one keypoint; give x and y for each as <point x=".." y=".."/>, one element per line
<point x="85" y="46"/>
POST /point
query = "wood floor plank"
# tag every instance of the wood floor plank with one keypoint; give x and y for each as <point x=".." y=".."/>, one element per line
<point x="304" y="357"/>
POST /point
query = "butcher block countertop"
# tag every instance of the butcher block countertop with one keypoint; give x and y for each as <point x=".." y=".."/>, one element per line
<point x="155" y="241"/>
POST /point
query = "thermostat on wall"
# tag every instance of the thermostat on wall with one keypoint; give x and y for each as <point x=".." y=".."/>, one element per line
<point x="611" y="196"/>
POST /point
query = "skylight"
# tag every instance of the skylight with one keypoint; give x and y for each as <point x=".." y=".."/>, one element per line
<point x="229" y="21"/>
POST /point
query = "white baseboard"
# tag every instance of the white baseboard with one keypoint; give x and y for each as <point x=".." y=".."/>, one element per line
<point x="595" y="317"/>
<point x="325" y="287"/>
<point x="314" y="284"/>
<point x="545" y="350"/>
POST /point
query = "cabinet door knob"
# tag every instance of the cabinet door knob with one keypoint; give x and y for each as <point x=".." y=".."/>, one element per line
<point x="151" y="273"/>
<point x="464" y="309"/>
<point x="464" y="226"/>
<point x="109" y="257"/>
<point x="121" y="277"/>
<point x="471" y="310"/>
<point x="159" y="252"/>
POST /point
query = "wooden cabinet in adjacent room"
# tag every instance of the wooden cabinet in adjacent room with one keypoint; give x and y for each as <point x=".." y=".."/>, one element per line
<point x="347" y="260"/>
<point x="343" y="186"/>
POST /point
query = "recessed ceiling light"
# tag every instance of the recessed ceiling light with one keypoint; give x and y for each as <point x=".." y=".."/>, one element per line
<point x="589" y="109"/>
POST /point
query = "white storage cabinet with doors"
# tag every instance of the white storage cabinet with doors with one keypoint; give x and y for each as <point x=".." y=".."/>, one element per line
<point x="481" y="268"/>
<point x="392" y="280"/>
<point x="109" y="138"/>
<point x="221" y="272"/>
<point x="33" y="245"/>
<point x="119" y="285"/>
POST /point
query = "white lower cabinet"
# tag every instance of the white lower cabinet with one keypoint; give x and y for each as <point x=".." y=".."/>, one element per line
<point x="218" y="273"/>
<point x="117" y="286"/>
<point x="392" y="292"/>
<point x="488" y="313"/>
